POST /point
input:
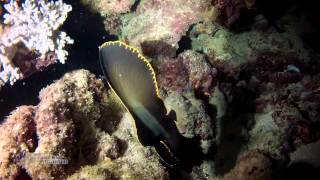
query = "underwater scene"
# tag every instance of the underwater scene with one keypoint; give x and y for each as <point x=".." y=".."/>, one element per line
<point x="159" y="90"/>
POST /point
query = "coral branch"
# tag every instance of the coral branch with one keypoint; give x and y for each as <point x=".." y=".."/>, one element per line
<point x="34" y="25"/>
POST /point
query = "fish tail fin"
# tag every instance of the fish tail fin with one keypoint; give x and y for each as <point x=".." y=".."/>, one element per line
<point x="186" y="154"/>
<point x="177" y="150"/>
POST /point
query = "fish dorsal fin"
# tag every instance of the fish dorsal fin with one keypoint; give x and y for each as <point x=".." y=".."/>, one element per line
<point x="125" y="48"/>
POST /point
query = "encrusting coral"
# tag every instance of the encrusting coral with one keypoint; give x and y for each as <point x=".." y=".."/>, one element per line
<point x="40" y="20"/>
<point x="78" y="130"/>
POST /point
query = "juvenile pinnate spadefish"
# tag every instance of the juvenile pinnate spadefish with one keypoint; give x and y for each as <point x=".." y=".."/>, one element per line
<point x="133" y="80"/>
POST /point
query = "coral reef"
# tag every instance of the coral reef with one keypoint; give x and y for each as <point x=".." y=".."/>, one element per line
<point x="230" y="9"/>
<point x="229" y="51"/>
<point x="205" y="171"/>
<point x="186" y="72"/>
<point x="283" y="114"/>
<point x="143" y="24"/>
<point x="18" y="136"/>
<point x="39" y="20"/>
<point x="253" y="165"/>
<point x="172" y="75"/>
<point x="249" y="97"/>
<point x="243" y="94"/>
<point x="107" y="7"/>
<point x="192" y="120"/>
<point x="265" y="135"/>
<point x="114" y="12"/>
<point x="77" y="130"/>
<point x="286" y="116"/>
<point x="176" y="17"/>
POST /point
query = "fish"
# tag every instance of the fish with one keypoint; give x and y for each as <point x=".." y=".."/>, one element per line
<point x="132" y="78"/>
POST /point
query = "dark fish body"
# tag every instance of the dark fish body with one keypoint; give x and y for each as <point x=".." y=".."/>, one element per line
<point x="132" y="78"/>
